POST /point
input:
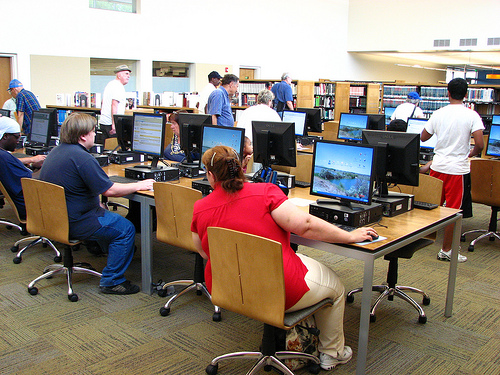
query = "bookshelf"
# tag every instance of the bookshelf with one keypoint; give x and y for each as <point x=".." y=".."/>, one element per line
<point x="303" y="92"/>
<point x="324" y="98"/>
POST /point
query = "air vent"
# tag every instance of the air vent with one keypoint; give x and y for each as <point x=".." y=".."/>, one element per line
<point x="441" y="43"/>
<point x="468" y="42"/>
<point x="494" y="41"/>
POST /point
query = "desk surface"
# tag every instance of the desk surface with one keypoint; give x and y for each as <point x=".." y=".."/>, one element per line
<point x="84" y="109"/>
<point x="168" y="109"/>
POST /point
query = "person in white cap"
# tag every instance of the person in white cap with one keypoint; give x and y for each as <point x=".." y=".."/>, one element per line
<point x="13" y="169"/>
<point x="113" y="102"/>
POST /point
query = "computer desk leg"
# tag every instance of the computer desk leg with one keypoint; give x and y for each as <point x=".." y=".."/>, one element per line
<point x="364" y="319"/>
<point x="146" y="247"/>
<point x="452" y="274"/>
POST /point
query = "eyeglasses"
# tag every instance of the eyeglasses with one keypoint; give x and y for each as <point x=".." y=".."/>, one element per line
<point x="15" y="135"/>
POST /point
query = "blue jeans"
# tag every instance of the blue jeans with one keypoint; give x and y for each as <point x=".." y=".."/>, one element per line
<point x="116" y="237"/>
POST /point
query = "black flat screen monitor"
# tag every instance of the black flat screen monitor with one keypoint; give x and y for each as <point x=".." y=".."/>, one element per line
<point x="398" y="156"/>
<point x="388" y="111"/>
<point x="313" y="120"/>
<point x="376" y="122"/>
<point x="495" y="120"/>
<point x="5" y="112"/>
<point x="415" y="126"/>
<point x="343" y="172"/>
<point x="54" y="120"/>
<point x="149" y="135"/>
<point x="493" y="144"/>
<point x="214" y="135"/>
<point x="124" y="125"/>
<point x="190" y="128"/>
<point x="351" y="125"/>
<point x="298" y="118"/>
<point x="274" y="143"/>
<point x="41" y="130"/>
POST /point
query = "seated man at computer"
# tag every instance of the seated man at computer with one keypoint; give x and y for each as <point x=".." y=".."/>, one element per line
<point x="13" y="169"/>
<point x="71" y="166"/>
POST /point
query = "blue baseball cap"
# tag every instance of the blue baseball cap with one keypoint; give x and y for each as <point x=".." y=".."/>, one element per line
<point x="14" y="83"/>
<point x="414" y="95"/>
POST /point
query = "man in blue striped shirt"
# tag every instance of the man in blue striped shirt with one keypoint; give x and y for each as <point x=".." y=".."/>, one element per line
<point x="219" y="101"/>
<point x="26" y="104"/>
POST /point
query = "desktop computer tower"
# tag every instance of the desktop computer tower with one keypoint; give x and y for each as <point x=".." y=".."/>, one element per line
<point x="337" y="214"/>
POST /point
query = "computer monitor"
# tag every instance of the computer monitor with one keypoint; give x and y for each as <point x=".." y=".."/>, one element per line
<point x="415" y="126"/>
<point x="313" y="119"/>
<point x="495" y="120"/>
<point x="376" y="122"/>
<point x="351" y="125"/>
<point x="398" y="156"/>
<point x="40" y="129"/>
<point x="274" y="143"/>
<point x="124" y="125"/>
<point x="298" y="118"/>
<point x="213" y="135"/>
<point x="493" y="144"/>
<point x="190" y="128"/>
<point x="5" y="112"/>
<point x="54" y="121"/>
<point x="343" y="172"/>
<point x="388" y="111"/>
<point x="149" y="135"/>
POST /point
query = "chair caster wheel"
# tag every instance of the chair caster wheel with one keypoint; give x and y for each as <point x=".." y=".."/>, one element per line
<point x="314" y="368"/>
<point x="373" y="318"/>
<point x="350" y="298"/>
<point x="162" y="292"/>
<point x="57" y="259"/>
<point x="422" y="319"/>
<point x="9" y="227"/>
<point x="426" y="301"/>
<point x="217" y="317"/>
<point x="24" y="232"/>
<point x="471" y="248"/>
<point x="14" y="249"/>
<point x="199" y="292"/>
<point x="44" y="245"/>
<point x="33" y="290"/>
<point x="462" y="238"/>
<point x="212" y="369"/>
<point x="268" y="368"/>
<point x="73" y="297"/>
<point x="164" y="311"/>
<point x="17" y="260"/>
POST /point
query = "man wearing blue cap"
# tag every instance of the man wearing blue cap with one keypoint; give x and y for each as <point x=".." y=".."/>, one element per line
<point x="409" y="109"/>
<point x="26" y="103"/>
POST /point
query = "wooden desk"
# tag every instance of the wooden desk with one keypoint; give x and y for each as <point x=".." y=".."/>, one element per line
<point x="81" y="109"/>
<point x="168" y="109"/>
<point x="400" y="231"/>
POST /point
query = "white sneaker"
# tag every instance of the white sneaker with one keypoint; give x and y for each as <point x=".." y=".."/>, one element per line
<point x="328" y="362"/>
<point x="446" y="255"/>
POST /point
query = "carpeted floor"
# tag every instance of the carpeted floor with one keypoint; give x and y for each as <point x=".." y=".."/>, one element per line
<point x="103" y="334"/>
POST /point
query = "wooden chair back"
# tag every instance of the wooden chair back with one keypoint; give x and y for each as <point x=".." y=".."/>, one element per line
<point x="429" y="189"/>
<point x="174" y="213"/>
<point x="11" y="202"/>
<point x="110" y="143"/>
<point x="302" y="171"/>
<point x="485" y="181"/>
<point x="46" y="211"/>
<point x="247" y="275"/>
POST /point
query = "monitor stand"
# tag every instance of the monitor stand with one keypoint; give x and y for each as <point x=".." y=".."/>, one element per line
<point x="190" y="170"/>
<point x="342" y="203"/>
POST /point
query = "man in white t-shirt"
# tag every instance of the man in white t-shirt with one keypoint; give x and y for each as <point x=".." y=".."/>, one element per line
<point x="409" y="109"/>
<point x="453" y="126"/>
<point x="262" y="111"/>
<point x="213" y="81"/>
<point x="10" y="104"/>
<point x="113" y="101"/>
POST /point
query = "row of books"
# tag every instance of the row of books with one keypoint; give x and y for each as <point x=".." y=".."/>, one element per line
<point x="357" y="102"/>
<point x="170" y="99"/>
<point x="357" y="91"/>
<point x="327" y="114"/>
<point x="481" y="95"/>
<point x="248" y="99"/>
<point x="398" y="91"/>
<point x="324" y="89"/>
<point x="324" y="101"/>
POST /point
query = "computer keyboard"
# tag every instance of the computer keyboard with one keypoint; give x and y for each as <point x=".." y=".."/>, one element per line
<point x="121" y="179"/>
<point x="302" y="184"/>
<point x="347" y="228"/>
<point x="424" y="205"/>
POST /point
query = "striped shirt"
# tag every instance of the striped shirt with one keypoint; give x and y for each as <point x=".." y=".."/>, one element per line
<point x="27" y="103"/>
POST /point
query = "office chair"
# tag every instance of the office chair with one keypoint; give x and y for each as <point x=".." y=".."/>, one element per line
<point x="49" y="217"/>
<point x="33" y="240"/>
<point x="429" y="190"/>
<point x="485" y="188"/>
<point x="174" y="213"/>
<point x="256" y="289"/>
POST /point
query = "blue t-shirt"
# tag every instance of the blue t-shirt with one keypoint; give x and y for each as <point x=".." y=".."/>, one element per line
<point x="220" y="105"/>
<point x="11" y="172"/>
<point x="74" y="168"/>
<point x="282" y="93"/>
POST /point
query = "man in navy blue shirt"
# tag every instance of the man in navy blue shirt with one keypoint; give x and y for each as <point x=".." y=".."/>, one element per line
<point x="26" y="103"/>
<point x="219" y="101"/>
<point x="71" y="166"/>
<point x="283" y="95"/>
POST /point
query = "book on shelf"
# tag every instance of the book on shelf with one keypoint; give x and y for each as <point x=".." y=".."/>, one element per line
<point x="357" y="91"/>
<point x="132" y="100"/>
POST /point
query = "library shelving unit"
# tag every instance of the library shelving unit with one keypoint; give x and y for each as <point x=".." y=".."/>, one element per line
<point x="324" y="98"/>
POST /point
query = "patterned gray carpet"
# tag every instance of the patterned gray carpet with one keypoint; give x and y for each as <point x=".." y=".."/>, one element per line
<point x="103" y="334"/>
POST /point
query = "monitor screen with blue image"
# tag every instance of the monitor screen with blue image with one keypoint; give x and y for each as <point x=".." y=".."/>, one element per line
<point x="415" y="126"/>
<point x="351" y="126"/>
<point x="222" y="136"/>
<point x="493" y="145"/>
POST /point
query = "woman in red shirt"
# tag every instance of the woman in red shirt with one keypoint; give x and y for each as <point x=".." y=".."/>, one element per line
<point x="263" y="210"/>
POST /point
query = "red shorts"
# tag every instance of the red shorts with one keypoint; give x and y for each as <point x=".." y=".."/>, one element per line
<point x="456" y="191"/>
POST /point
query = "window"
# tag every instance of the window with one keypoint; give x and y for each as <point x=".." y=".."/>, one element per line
<point x="128" y="6"/>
